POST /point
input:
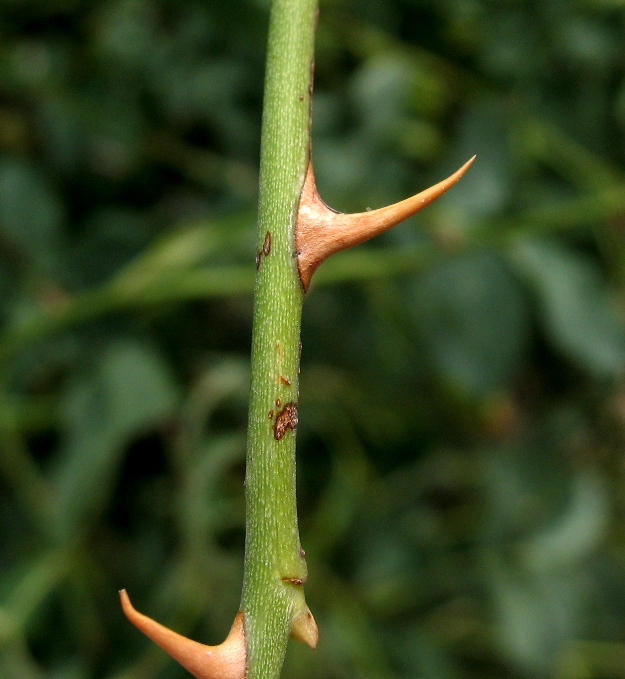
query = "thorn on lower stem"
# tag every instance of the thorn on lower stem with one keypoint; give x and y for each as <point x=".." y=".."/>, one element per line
<point x="321" y="231"/>
<point x="226" y="661"/>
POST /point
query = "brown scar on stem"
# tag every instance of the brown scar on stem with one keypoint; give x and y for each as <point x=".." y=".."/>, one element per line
<point x="265" y="250"/>
<point x="270" y="414"/>
<point x="285" y="380"/>
<point x="321" y="231"/>
<point x="298" y="582"/>
<point x="286" y="419"/>
<point x="278" y="403"/>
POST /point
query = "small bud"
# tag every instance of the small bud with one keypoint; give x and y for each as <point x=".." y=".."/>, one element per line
<point x="226" y="661"/>
<point x="304" y="628"/>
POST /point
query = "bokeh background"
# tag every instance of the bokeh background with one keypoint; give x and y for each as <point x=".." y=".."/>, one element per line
<point x="462" y="415"/>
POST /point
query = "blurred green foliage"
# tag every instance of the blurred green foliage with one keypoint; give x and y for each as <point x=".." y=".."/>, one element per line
<point x="462" y="416"/>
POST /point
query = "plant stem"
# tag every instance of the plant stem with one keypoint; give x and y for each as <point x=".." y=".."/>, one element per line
<point x="274" y="565"/>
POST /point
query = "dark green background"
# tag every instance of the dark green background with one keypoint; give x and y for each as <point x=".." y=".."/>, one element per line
<point x="462" y="414"/>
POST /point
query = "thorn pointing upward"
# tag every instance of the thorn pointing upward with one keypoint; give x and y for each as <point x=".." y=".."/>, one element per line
<point x="321" y="231"/>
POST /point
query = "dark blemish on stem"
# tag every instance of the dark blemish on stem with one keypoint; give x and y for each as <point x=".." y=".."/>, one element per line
<point x="301" y="97"/>
<point x="270" y="415"/>
<point x="298" y="582"/>
<point x="285" y="380"/>
<point x="286" y="419"/>
<point x="278" y="403"/>
<point x="299" y="356"/>
<point x="266" y="249"/>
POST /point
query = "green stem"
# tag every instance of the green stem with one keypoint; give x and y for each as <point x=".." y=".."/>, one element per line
<point x="274" y="561"/>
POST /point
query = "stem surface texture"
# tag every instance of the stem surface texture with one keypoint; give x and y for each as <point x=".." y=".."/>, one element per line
<point x="275" y="569"/>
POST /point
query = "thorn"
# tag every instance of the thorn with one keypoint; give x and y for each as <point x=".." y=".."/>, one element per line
<point x="226" y="661"/>
<point x="321" y="231"/>
<point x="304" y="628"/>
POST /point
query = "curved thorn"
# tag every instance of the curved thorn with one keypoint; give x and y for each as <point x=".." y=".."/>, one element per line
<point x="226" y="661"/>
<point x="321" y="231"/>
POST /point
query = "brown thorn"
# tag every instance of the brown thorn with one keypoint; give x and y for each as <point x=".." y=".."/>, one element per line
<point x="321" y="231"/>
<point x="226" y="661"/>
